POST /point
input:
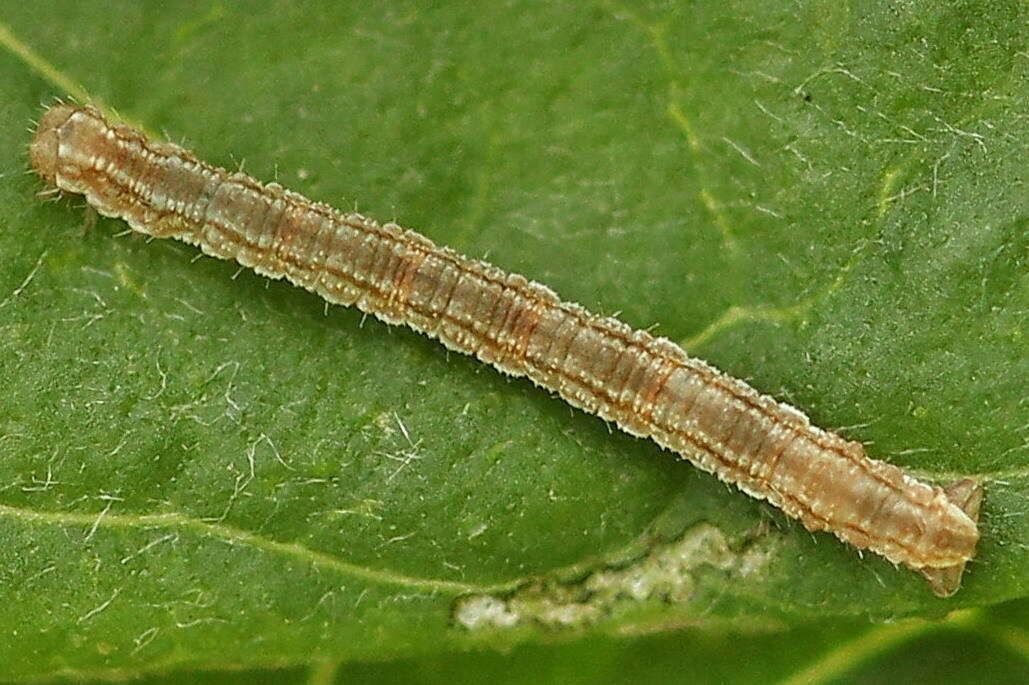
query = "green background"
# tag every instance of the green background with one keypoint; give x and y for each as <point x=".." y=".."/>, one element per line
<point x="207" y="474"/>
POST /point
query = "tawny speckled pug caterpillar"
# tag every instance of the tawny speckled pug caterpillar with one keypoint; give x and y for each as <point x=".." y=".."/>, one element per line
<point x="646" y="385"/>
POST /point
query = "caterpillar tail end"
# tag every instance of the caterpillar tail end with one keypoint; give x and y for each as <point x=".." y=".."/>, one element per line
<point x="968" y="495"/>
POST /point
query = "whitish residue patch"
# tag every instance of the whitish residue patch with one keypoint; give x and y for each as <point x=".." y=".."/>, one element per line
<point x="666" y="573"/>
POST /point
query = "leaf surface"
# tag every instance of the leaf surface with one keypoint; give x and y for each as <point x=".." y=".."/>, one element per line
<point x="203" y="468"/>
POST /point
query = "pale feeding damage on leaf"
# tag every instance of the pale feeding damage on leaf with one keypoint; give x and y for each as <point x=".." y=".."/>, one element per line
<point x="666" y="574"/>
<point x="646" y="385"/>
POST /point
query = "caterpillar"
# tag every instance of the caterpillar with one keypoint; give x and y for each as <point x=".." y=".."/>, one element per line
<point x="646" y="385"/>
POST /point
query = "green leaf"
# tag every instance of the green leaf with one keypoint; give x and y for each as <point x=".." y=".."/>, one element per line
<point x="202" y="470"/>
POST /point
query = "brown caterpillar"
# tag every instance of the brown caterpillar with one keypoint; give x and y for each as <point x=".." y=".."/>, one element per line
<point x="648" y="386"/>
